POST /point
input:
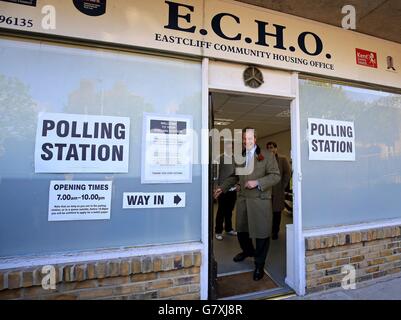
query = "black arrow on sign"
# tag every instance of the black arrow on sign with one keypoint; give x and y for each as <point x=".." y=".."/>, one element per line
<point x="177" y="199"/>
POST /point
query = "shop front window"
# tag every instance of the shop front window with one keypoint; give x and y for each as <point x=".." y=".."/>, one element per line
<point x="52" y="95"/>
<point x="349" y="191"/>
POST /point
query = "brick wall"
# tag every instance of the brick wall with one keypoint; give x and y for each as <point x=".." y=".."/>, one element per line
<point x="172" y="276"/>
<point x="374" y="253"/>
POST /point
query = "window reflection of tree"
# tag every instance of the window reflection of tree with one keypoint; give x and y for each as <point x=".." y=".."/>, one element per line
<point x="17" y="110"/>
<point x="119" y="100"/>
<point x="377" y="121"/>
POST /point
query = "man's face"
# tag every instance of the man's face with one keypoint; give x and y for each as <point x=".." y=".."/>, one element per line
<point x="272" y="149"/>
<point x="248" y="139"/>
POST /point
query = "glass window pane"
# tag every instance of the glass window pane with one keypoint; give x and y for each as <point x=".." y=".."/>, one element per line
<point x="37" y="77"/>
<point x="368" y="189"/>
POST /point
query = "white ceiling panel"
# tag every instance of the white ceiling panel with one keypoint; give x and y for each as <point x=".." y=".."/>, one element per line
<point x="268" y="115"/>
<point x="235" y="107"/>
<point x="245" y="99"/>
<point x="219" y="100"/>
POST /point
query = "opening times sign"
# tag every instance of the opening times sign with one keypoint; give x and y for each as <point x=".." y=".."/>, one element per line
<point x="79" y="200"/>
<point x="331" y="140"/>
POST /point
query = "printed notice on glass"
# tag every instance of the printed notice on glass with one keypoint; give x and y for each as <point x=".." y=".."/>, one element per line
<point x="68" y="143"/>
<point x="167" y="149"/>
<point x="79" y="200"/>
<point x="331" y="140"/>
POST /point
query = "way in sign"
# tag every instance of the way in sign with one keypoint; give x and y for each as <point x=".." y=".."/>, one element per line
<point x="136" y="200"/>
<point x="144" y="200"/>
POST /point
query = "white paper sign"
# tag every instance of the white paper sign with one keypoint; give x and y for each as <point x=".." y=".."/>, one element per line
<point x="331" y="140"/>
<point x="79" y="200"/>
<point x="68" y="143"/>
<point x="167" y="149"/>
<point x="142" y="200"/>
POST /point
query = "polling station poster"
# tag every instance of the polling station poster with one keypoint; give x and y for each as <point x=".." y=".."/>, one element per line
<point x="167" y="149"/>
<point x="79" y="200"/>
<point x="73" y="143"/>
<point x="331" y="140"/>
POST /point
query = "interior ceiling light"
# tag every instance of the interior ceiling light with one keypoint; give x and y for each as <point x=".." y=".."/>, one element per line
<point x="284" y="114"/>
<point x="223" y="122"/>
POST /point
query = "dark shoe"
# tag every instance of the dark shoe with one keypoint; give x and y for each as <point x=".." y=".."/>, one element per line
<point x="241" y="257"/>
<point x="275" y="236"/>
<point x="258" y="274"/>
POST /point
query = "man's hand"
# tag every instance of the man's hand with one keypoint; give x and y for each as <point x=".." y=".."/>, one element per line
<point x="217" y="192"/>
<point x="251" y="184"/>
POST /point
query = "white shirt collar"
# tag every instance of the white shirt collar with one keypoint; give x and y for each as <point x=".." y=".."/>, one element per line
<point x="252" y="151"/>
<point x="249" y="155"/>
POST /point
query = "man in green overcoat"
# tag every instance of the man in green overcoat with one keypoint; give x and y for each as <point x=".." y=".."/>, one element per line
<point x="255" y="179"/>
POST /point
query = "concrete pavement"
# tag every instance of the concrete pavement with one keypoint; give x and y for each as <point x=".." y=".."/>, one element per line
<point x="386" y="288"/>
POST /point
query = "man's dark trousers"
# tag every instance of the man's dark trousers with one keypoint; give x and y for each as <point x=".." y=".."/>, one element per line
<point x="260" y="253"/>
<point x="224" y="212"/>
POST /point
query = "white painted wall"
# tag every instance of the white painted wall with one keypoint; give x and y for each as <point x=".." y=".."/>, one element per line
<point x="224" y="76"/>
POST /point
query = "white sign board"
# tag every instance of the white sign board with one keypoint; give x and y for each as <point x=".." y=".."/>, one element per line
<point x="68" y="143"/>
<point x="217" y="29"/>
<point x="79" y="200"/>
<point x="142" y="200"/>
<point x="331" y="140"/>
<point x="167" y="149"/>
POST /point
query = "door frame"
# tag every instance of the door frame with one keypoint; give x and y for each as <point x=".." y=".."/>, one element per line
<point x="297" y="279"/>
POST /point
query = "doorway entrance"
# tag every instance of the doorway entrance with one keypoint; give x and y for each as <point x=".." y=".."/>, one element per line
<point x="271" y="117"/>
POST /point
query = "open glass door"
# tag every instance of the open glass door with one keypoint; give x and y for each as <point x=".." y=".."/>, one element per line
<point x="271" y="117"/>
<point x="212" y="177"/>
